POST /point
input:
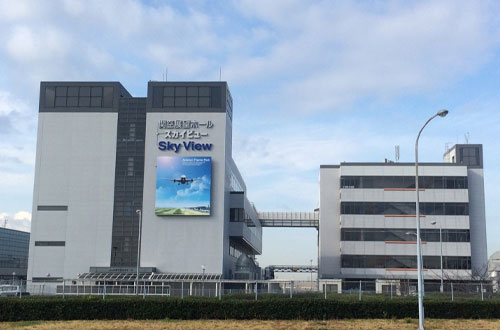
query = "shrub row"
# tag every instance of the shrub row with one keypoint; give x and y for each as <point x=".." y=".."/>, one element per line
<point x="173" y="308"/>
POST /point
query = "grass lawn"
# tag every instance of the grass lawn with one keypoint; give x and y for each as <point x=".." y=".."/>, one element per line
<point x="254" y="324"/>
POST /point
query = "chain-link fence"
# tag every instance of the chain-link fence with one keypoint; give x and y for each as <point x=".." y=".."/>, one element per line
<point x="231" y="289"/>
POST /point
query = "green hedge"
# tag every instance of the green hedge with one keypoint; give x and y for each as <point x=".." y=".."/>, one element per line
<point x="269" y="309"/>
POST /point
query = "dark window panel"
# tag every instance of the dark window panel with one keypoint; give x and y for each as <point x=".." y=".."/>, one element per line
<point x="215" y="97"/>
<point x="169" y="91"/>
<point x="52" y="208"/>
<point x="204" y="91"/>
<point x="50" y="243"/>
<point x="157" y="97"/>
<point x="192" y="91"/>
<point x="204" y="102"/>
<point x="73" y="91"/>
<point x="84" y="101"/>
<point x="96" y="102"/>
<point x="60" y="101"/>
<point x="168" y="101"/>
<point x="61" y="91"/>
<point x="180" y="101"/>
<point x="50" y="95"/>
<point x="84" y="91"/>
<point x="72" y="102"/>
<point x="108" y="95"/>
<point x="180" y="91"/>
<point x="96" y="91"/>
<point x="381" y="182"/>
<point x="192" y="102"/>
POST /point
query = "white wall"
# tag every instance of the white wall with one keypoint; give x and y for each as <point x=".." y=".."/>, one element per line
<point x="329" y="222"/>
<point x="184" y="243"/>
<point x="75" y="167"/>
<point x="477" y="220"/>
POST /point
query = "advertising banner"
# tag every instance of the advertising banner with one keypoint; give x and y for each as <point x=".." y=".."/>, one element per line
<point x="183" y="186"/>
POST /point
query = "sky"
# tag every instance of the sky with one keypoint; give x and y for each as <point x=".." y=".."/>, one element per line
<point x="313" y="82"/>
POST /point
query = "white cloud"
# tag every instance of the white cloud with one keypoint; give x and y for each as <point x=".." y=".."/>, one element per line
<point x="196" y="187"/>
<point x="18" y="221"/>
<point x="334" y="53"/>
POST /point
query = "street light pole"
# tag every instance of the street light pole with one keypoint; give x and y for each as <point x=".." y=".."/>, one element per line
<point x="440" y="113"/>
<point x="311" y="270"/>
<point x="139" y="213"/>
<point x="203" y="280"/>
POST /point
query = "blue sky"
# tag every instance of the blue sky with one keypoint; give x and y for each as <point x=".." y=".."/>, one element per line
<point x="313" y="82"/>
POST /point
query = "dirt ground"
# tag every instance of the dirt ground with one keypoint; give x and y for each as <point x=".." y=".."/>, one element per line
<point x="253" y="324"/>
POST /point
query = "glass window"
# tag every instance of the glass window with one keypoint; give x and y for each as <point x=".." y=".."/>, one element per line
<point x="72" y="101"/>
<point x="460" y="182"/>
<point x="450" y="209"/>
<point x="96" y="102"/>
<point x="84" y="101"/>
<point x="450" y="182"/>
<point x="60" y="101"/>
<point x="438" y="182"/>
<point x="50" y="95"/>
<point x="204" y="91"/>
<point x="215" y="97"/>
<point x="180" y="101"/>
<point x="192" y="91"/>
<point x="84" y="91"/>
<point x="192" y="102"/>
<point x="409" y="182"/>
<point x="168" y="102"/>
<point x="373" y="208"/>
<point x="96" y="91"/>
<point x="157" y="97"/>
<point x="61" y="91"/>
<point x="180" y="91"/>
<point x="73" y="91"/>
<point x="108" y="95"/>
<point x="204" y="102"/>
<point x="438" y="208"/>
<point x="169" y="91"/>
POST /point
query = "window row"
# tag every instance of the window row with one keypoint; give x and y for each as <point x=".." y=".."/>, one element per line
<point x="404" y="208"/>
<point x="182" y="96"/>
<point x="234" y="251"/>
<point x="426" y="182"/>
<point x="83" y="96"/>
<point x="237" y="215"/>
<point x="385" y="234"/>
<point x="384" y="261"/>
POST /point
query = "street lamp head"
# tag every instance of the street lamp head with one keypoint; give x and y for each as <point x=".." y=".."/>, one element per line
<point x="442" y="113"/>
<point x="138" y="211"/>
<point x="433" y="222"/>
<point x="410" y="233"/>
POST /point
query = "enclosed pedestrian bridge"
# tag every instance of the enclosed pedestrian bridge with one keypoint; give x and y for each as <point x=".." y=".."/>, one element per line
<point x="289" y="219"/>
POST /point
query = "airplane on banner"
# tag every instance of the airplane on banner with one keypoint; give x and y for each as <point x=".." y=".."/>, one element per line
<point x="182" y="180"/>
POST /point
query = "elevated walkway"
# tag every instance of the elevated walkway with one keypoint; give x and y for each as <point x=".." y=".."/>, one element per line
<point x="289" y="219"/>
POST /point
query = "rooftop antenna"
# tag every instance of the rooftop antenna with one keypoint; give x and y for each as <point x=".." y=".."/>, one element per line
<point x="466" y="135"/>
<point x="396" y="149"/>
<point x="166" y="73"/>
<point x="220" y="73"/>
<point x="5" y="222"/>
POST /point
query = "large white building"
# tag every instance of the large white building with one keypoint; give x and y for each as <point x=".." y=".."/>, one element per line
<point x="367" y="218"/>
<point x="103" y="154"/>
